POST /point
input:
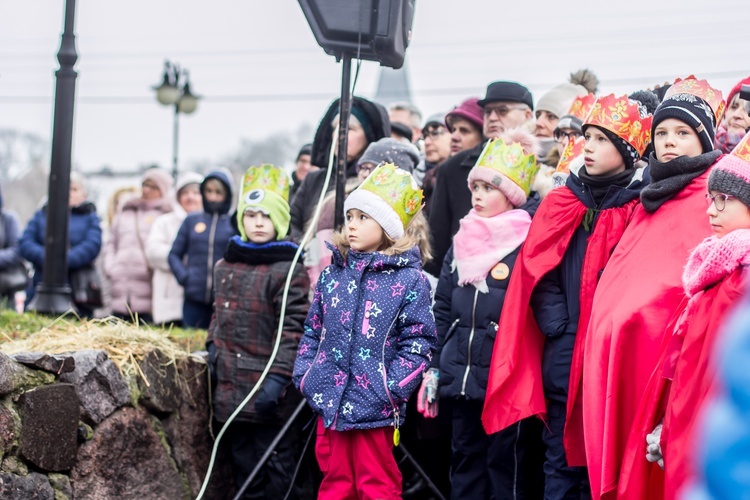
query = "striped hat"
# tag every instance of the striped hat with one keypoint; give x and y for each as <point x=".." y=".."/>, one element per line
<point x="731" y="174"/>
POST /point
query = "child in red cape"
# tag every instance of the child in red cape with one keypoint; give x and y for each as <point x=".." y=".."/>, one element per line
<point x="714" y="280"/>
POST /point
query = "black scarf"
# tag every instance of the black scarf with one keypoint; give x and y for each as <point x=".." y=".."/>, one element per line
<point x="600" y="184"/>
<point x="668" y="179"/>
<point x="267" y="253"/>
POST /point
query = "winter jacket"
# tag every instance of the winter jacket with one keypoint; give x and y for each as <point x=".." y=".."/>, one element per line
<point x="369" y="335"/>
<point x="466" y="322"/>
<point x="9" y="243"/>
<point x="250" y="283"/>
<point x="125" y="263"/>
<point x="451" y="201"/>
<point x="167" y="294"/>
<point x="308" y="194"/>
<point x="84" y="240"/>
<point x="201" y="241"/>
<point x="556" y="299"/>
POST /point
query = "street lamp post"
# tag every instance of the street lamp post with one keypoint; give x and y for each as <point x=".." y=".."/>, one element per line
<point x="174" y="90"/>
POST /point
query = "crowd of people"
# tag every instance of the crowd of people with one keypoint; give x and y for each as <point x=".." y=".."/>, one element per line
<point x="527" y="293"/>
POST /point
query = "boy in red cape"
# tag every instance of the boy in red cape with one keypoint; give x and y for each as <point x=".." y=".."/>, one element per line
<point x="549" y="300"/>
<point x="714" y="281"/>
<point x="641" y="287"/>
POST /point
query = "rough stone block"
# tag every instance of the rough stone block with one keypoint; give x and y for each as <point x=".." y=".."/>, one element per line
<point x="48" y="362"/>
<point x="10" y="425"/>
<point x="14" y="376"/>
<point x="126" y="458"/>
<point x="31" y="487"/>
<point x="50" y="426"/>
<point x="162" y="393"/>
<point x="100" y="387"/>
<point x="61" y="485"/>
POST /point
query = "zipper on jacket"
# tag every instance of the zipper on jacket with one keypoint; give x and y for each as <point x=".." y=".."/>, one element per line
<point x="471" y="340"/>
<point x="320" y="343"/>
<point x="210" y="263"/>
<point x="382" y="359"/>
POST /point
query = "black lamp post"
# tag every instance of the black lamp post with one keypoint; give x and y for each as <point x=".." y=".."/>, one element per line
<point x="170" y="93"/>
<point x="53" y="294"/>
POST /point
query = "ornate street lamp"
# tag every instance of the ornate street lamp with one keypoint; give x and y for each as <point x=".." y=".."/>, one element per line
<point x="174" y="90"/>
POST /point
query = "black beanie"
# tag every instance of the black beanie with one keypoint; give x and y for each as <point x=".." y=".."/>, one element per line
<point x="628" y="152"/>
<point x="305" y="150"/>
<point x="691" y="110"/>
<point x="366" y="123"/>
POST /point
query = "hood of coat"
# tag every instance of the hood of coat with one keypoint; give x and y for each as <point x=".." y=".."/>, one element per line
<point x="377" y="115"/>
<point x="225" y="177"/>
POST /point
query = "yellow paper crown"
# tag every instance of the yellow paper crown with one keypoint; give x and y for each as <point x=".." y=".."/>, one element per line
<point x="511" y="161"/>
<point x="397" y="188"/>
<point x="699" y="88"/>
<point x="622" y="117"/>
<point x="742" y="150"/>
<point x="582" y="106"/>
<point x="573" y="150"/>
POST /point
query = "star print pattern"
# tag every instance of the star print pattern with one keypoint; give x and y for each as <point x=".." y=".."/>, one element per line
<point x="344" y="374"/>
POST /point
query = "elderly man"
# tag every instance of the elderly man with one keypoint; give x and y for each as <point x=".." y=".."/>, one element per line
<point x="506" y="105"/>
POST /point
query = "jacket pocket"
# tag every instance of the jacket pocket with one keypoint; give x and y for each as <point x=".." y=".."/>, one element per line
<point x="485" y="356"/>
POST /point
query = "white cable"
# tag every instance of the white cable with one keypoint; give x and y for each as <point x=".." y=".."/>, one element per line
<point x="282" y="315"/>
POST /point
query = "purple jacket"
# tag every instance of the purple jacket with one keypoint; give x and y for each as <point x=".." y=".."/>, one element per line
<point x="369" y="335"/>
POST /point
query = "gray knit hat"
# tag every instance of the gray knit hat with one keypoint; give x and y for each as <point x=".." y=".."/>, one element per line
<point x="389" y="150"/>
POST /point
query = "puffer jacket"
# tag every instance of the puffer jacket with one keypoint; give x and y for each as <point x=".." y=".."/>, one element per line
<point x="201" y="241"/>
<point x="9" y="255"/>
<point x="167" y="294"/>
<point x="250" y="283"/>
<point x="85" y="241"/>
<point x="467" y="326"/>
<point x="125" y="263"/>
<point x="369" y="335"/>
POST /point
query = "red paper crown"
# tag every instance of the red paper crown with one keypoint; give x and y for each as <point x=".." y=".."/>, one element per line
<point x="699" y="88"/>
<point x="742" y="150"/>
<point x="573" y="150"/>
<point x="581" y="106"/>
<point x="622" y="117"/>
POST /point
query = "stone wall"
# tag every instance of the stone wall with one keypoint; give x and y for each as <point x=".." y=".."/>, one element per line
<point x="71" y="426"/>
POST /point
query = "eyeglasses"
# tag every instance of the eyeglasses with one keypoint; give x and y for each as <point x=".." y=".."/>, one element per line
<point x="720" y="200"/>
<point x="560" y="136"/>
<point x="366" y="168"/>
<point x="434" y="132"/>
<point x="501" y="110"/>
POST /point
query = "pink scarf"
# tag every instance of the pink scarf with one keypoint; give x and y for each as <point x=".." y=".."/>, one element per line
<point x="714" y="259"/>
<point x="482" y="242"/>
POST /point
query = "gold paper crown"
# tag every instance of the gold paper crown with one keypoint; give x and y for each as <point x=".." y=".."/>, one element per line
<point x="622" y="117"/>
<point x="582" y="106"/>
<point x="573" y="150"/>
<point x="511" y="161"/>
<point x="742" y="150"/>
<point x="699" y="88"/>
<point x="397" y="188"/>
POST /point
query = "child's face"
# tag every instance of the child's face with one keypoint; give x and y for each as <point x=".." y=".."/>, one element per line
<point x="214" y="191"/>
<point x="734" y="215"/>
<point x="190" y="198"/>
<point x="363" y="232"/>
<point x="673" y="138"/>
<point x="258" y="227"/>
<point x="487" y="200"/>
<point x="600" y="155"/>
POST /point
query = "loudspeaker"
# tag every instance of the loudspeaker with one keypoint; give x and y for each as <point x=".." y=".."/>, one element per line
<point x="376" y="30"/>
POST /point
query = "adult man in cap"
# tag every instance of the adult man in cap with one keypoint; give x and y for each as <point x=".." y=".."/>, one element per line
<point x="506" y="105"/>
<point x="302" y="167"/>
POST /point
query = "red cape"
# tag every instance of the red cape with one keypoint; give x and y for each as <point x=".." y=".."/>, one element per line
<point x="639" y="292"/>
<point x="680" y="383"/>
<point x="514" y="389"/>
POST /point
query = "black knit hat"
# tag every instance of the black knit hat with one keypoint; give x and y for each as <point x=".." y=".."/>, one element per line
<point x="304" y="150"/>
<point x="628" y="152"/>
<point x="691" y="110"/>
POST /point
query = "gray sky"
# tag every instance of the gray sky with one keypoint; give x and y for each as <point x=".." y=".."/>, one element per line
<point x="260" y="70"/>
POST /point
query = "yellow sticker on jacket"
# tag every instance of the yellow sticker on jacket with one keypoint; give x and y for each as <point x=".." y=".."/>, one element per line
<point x="200" y="227"/>
<point x="500" y="271"/>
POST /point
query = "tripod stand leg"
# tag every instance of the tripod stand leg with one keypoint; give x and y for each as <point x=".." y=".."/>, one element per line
<point x="421" y="472"/>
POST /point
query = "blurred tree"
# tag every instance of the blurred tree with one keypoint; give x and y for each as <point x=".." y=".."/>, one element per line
<point x="24" y="170"/>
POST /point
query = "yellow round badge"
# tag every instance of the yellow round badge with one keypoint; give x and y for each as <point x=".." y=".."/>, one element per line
<point x="201" y="226"/>
<point x="500" y="271"/>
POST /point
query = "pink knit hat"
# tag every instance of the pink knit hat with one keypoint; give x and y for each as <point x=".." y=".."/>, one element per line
<point x="161" y="178"/>
<point x="468" y="110"/>
<point x="731" y="174"/>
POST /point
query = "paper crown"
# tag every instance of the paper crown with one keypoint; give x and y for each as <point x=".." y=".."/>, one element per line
<point x="582" y="106"/>
<point x="699" y="88"/>
<point x="510" y="160"/>
<point x="397" y="188"/>
<point x="265" y="188"/>
<point x="622" y="117"/>
<point x="742" y="150"/>
<point x="573" y="150"/>
<point x="268" y="178"/>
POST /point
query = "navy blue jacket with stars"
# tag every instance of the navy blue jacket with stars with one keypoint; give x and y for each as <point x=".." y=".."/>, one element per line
<point x="369" y="335"/>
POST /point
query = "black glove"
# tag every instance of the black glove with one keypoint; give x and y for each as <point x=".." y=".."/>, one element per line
<point x="270" y="392"/>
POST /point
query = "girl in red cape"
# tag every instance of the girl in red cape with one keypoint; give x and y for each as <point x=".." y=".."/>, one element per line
<point x="714" y="280"/>
<point x="641" y="287"/>
<point x="549" y="300"/>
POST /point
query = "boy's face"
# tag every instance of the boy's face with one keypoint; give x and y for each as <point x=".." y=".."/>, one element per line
<point x="734" y="215"/>
<point x="363" y="232"/>
<point x="258" y="227"/>
<point x="214" y="191"/>
<point x="487" y="200"/>
<point x="600" y="155"/>
<point x="673" y="138"/>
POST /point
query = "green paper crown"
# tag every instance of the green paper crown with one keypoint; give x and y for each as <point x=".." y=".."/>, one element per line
<point x="268" y="178"/>
<point x="397" y="188"/>
<point x="265" y="188"/>
<point x="511" y="161"/>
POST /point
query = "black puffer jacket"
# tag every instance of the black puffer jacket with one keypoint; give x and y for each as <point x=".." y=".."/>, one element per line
<point x="305" y="198"/>
<point x="467" y="323"/>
